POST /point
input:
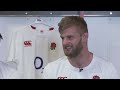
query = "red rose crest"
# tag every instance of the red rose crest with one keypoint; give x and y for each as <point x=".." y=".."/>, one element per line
<point x="53" y="46"/>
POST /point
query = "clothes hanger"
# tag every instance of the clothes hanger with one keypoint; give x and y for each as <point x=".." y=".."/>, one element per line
<point x="40" y="21"/>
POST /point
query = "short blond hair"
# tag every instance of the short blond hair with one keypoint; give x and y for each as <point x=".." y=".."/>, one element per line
<point x="69" y="21"/>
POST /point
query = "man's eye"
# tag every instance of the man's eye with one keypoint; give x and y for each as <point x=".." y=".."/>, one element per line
<point x="70" y="37"/>
<point x="62" y="38"/>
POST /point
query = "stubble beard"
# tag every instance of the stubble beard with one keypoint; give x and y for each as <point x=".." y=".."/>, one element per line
<point x="73" y="51"/>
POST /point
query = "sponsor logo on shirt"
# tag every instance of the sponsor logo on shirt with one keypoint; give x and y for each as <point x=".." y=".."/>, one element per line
<point x="61" y="77"/>
<point x="96" y="77"/>
<point x="27" y="43"/>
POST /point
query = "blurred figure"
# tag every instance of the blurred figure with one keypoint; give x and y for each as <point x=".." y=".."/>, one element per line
<point x="6" y="70"/>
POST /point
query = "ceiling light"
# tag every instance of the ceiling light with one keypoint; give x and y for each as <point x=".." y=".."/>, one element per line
<point x="50" y="12"/>
<point x="110" y="12"/>
<point x="26" y="13"/>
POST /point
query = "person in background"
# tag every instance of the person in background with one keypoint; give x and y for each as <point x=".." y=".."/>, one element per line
<point x="6" y="70"/>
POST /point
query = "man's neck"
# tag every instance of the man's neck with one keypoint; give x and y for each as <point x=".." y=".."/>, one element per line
<point x="82" y="60"/>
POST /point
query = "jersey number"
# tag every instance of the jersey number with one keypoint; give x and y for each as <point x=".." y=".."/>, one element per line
<point x="38" y="62"/>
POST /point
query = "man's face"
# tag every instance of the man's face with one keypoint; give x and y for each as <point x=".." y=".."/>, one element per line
<point x="71" y="41"/>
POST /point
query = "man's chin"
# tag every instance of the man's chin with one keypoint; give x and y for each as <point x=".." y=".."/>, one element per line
<point x="68" y="54"/>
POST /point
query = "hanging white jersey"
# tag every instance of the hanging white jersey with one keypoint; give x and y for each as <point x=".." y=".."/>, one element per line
<point x="29" y="48"/>
<point x="55" y="49"/>
<point x="97" y="69"/>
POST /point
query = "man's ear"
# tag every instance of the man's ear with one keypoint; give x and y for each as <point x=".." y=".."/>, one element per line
<point x="85" y="37"/>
